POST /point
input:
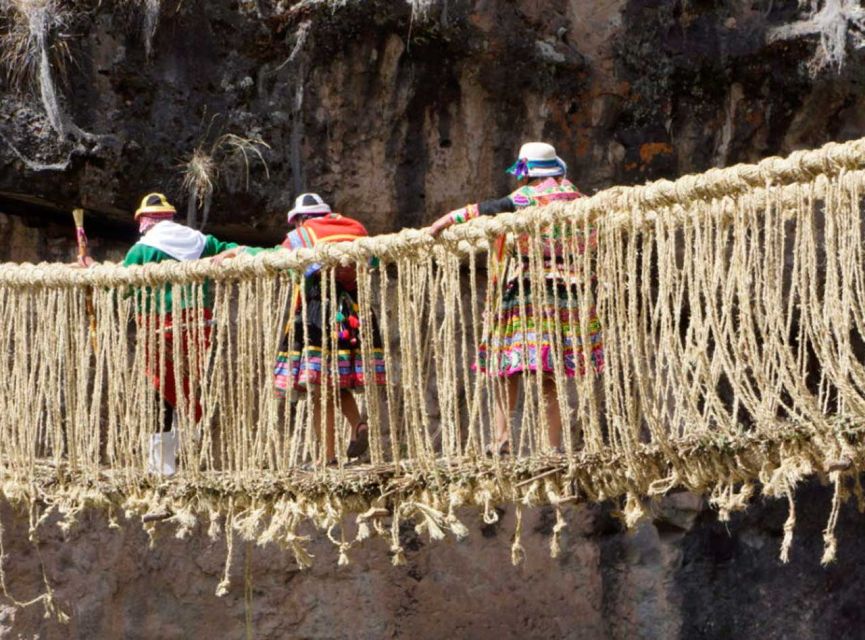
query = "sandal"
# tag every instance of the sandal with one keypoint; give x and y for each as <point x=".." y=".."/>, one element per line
<point x="359" y="445"/>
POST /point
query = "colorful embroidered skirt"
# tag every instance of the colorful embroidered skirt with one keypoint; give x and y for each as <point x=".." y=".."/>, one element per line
<point x="307" y="361"/>
<point x="522" y="337"/>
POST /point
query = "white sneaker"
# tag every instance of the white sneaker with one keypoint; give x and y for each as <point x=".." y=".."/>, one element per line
<point x="162" y="458"/>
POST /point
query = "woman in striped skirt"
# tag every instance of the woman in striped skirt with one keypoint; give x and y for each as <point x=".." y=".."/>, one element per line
<point x="522" y="338"/>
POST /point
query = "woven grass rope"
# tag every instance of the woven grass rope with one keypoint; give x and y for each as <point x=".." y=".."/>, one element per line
<point x="733" y="313"/>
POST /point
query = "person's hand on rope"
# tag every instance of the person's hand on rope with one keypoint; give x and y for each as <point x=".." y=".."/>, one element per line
<point x="457" y="216"/>
<point x="440" y="225"/>
<point x="83" y="262"/>
<point x="228" y="254"/>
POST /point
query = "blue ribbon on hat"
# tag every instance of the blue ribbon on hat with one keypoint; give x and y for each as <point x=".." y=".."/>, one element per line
<point x="520" y="168"/>
<point x="523" y="166"/>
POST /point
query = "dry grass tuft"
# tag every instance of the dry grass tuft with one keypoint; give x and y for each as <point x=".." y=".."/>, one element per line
<point x="199" y="174"/>
<point x="27" y="29"/>
<point x="33" y="46"/>
<point x="228" y="158"/>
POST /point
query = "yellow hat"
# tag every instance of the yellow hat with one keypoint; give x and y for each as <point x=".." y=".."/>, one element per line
<point x="154" y="203"/>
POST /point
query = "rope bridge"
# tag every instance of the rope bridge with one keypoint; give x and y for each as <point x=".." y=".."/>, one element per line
<point x="732" y="309"/>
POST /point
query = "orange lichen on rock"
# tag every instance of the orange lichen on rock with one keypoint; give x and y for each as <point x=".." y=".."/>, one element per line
<point x="649" y="150"/>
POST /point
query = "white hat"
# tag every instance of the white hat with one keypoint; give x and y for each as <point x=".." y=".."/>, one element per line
<point x="309" y="204"/>
<point x="538" y="160"/>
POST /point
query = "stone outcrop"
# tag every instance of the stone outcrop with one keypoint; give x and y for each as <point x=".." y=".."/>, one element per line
<point x="397" y="111"/>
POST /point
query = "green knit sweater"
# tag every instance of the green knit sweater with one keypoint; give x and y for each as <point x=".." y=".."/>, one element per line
<point x="162" y="297"/>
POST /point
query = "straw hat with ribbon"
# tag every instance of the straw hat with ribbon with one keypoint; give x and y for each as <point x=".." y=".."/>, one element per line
<point x="538" y="160"/>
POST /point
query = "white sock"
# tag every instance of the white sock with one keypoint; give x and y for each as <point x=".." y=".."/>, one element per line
<point x="162" y="457"/>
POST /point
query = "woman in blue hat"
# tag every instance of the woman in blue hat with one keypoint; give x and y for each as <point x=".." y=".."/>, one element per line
<point x="521" y="338"/>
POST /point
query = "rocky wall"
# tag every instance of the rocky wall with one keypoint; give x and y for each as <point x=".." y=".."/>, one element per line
<point x="680" y="574"/>
<point x="397" y="111"/>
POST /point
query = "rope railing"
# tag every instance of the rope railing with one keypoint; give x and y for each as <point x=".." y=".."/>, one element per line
<point x="704" y="334"/>
<point x="830" y="161"/>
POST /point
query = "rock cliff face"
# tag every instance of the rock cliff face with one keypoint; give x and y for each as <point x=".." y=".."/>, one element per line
<point x="396" y="111"/>
<point x="683" y="575"/>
